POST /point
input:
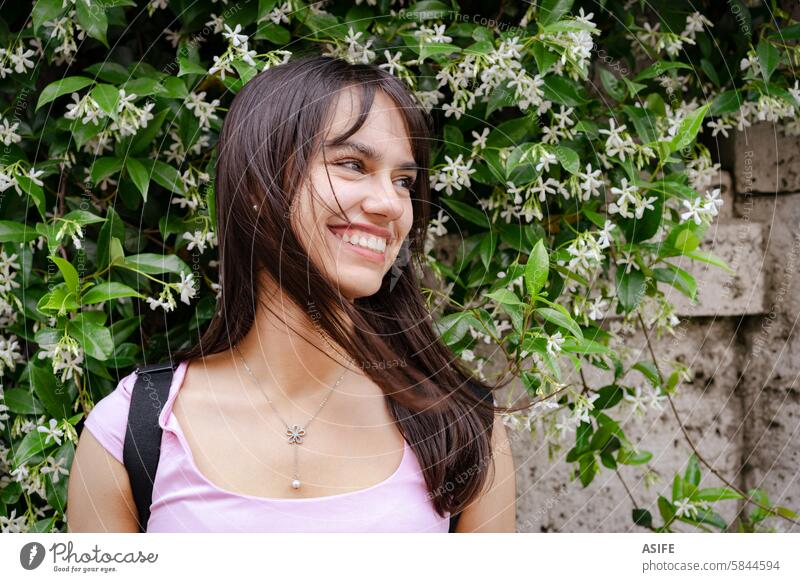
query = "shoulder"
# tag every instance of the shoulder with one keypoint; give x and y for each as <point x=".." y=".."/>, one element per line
<point x="108" y="419"/>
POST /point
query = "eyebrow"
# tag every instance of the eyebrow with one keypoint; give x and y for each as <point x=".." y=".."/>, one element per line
<point x="369" y="152"/>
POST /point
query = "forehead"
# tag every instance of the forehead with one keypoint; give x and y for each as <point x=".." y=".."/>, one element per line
<point x="385" y="126"/>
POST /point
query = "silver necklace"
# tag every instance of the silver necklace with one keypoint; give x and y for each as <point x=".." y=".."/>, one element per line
<point x="294" y="433"/>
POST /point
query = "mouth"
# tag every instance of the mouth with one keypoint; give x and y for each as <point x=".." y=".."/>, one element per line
<point x="368" y="245"/>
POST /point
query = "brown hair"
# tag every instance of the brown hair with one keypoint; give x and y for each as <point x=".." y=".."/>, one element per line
<point x="269" y="137"/>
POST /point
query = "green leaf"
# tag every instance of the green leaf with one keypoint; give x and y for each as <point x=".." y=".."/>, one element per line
<point x="544" y="57"/>
<point x="678" y="278"/>
<point x="453" y="327"/>
<point x="713" y="494"/>
<point x="726" y="102"/>
<point x="83" y="217"/>
<point x="106" y="291"/>
<point x="55" y="398"/>
<point x="666" y="509"/>
<point x="62" y="87"/>
<point x="16" y="232"/>
<point x="568" y="158"/>
<point x="643" y="518"/>
<point x="561" y="320"/>
<point x="21" y="401"/>
<point x="474" y="215"/>
<point x="92" y="18"/>
<point x="608" y="397"/>
<point x="688" y="129"/>
<point x="611" y="84"/>
<point x="768" y="58"/>
<point x="166" y="176"/>
<point x="649" y="370"/>
<point x="630" y="457"/>
<point x="551" y="11"/>
<point x="537" y="269"/>
<point x="31" y="445"/>
<point x="69" y="273"/>
<point x="692" y="474"/>
<point x="45" y="10"/>
<point x="437" y="48"/>
<point x="95" y="339"/>
<point x="144" y="138"/>
<point x="107" y="97"/>
<point x="139" y="176"/>
<point x="105" y="167"/>
<point x="705" y="257"/>
<point x="154" y="264"/>
<point x="630" y="288"/>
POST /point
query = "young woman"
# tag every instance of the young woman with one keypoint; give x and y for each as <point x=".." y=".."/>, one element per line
<point x="321" y="339"/>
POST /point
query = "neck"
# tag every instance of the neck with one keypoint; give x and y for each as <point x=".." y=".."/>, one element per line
<point x="287" y="353"/>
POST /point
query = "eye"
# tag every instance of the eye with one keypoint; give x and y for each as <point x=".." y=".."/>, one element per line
<point x="345" y="162"/>
<point x="409" y="185"/>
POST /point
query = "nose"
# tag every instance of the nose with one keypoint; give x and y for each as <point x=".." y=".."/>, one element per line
<point x="382" y="197"/>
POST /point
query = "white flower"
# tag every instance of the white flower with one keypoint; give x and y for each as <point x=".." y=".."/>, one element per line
<point x="392" y="62"/>
<point x="554" y="343"/>
<point x="203" y="110"/>
<point x="455" y="174"/>
<point x="3" y="415"/>
<point x="221" y="65"/>
<point x="480" y="139"/>
<point x="279" y="13"/>
<point x="694" y="24"/>
<point x="10" y="355"/>
<point x="186" y="287"/>
<point x="719" y="126"/>
<point x="233" y="36"/>
<point x="637" y="400"/>
<point x="685" y="507"/>
<point x="713" y="202"/>
<point x="20" y="59"/>
<point x="694" y="210"/>
<point x="216" y="22"/>
<point x="55" y="467"/>
<point x="52" y="431"/>
<point x="8" y="133"/>
<point x="590" y="182"/>
<point x="545" y="159"/>
<point x="596" y="309"/>
<point x="604" y="235"/>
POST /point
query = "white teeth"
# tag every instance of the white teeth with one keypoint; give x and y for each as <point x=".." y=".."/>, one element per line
<point x="376" y="244"/>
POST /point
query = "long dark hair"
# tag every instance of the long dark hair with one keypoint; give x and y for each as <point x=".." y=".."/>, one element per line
<point x="269" y="136"/>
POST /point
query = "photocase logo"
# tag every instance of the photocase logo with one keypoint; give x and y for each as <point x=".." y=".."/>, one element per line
<point x="31" y="555"/>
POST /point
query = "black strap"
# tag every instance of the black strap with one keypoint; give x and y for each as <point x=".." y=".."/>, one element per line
<point x="143" y="435"/>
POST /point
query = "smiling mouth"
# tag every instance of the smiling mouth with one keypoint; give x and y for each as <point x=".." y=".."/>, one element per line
<point x="361" y="240"/>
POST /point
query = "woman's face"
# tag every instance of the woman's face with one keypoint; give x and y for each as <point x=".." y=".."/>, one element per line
<point x="372" y="180"/>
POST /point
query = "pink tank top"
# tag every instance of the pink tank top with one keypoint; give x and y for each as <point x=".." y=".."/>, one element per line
<point x="186" y="501"/>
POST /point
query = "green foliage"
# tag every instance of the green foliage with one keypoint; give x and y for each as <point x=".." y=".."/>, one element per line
<point x="576" y="201"/>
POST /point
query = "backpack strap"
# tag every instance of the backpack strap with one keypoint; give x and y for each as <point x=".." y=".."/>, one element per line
<point x="142" y="446"/>
<point x="487" y="395"/>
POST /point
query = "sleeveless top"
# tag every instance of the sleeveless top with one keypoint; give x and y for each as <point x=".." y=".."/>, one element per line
<point x="184" y="500"/>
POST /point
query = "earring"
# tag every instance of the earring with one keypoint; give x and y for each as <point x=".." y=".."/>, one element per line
<point x="255" y="206"/>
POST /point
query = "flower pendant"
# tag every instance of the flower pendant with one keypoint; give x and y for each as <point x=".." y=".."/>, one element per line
<point x="295" y="434"/>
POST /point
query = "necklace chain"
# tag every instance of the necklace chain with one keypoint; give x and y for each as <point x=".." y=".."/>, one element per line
<point x="294" y="433"/>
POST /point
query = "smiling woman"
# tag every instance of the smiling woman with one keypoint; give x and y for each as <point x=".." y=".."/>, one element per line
<point x="321" y="339"/>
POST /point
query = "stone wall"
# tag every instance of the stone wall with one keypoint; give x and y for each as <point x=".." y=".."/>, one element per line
<point x="740" y="340"/>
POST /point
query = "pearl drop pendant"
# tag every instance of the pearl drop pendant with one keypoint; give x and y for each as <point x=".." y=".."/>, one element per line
<point x="296" y="484"/>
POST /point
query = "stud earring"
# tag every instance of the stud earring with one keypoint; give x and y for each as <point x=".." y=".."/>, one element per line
<point x="255" y="206"/>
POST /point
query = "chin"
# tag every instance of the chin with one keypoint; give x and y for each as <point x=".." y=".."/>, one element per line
<point x="359" y="291"/>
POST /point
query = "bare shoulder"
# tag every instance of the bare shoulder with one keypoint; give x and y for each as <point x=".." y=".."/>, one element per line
<point x="99" y="496"/>
<point x="495" y="509"/>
